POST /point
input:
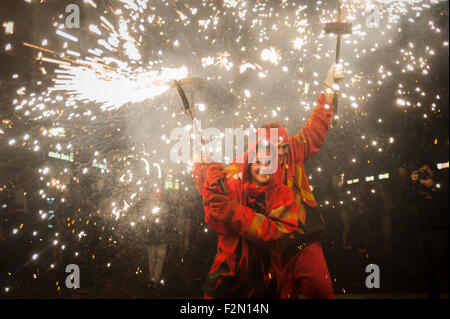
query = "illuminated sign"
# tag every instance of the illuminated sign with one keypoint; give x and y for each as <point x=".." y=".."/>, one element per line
<point x="61" y="156"/>
<point x="100" y="165"/>
<point x="169" y="182"/>
<point x="57" y="132"/>
<point x="368" y="178"/>
<point x="442" y="165"/>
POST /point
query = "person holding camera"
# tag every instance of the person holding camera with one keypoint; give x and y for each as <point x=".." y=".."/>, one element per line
<point x="430" y="208"/>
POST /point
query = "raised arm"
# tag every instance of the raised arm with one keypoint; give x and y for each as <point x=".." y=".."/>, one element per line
<point x="311" y="137"/>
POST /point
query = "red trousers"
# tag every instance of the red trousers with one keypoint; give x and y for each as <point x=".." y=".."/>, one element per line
<point x="306" y="272"/>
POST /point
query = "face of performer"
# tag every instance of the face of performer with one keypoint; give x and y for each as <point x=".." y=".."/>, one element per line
<point x="262" y="161"/>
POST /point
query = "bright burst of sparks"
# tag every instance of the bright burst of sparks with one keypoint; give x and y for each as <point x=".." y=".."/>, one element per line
<point x="298" y="43"/>
<point x="9" y="27"/>
<point x="113" y="89"/>
<point x="271" y="55"/>
<point x="224" y="60"/>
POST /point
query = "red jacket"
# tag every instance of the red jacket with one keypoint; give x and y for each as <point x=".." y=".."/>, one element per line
<point x="244" y="263"/>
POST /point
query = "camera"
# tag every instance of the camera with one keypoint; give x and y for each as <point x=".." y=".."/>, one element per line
<point x="423" y="175"/>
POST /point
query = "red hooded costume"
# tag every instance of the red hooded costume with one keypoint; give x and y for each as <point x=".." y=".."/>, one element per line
<point x="307" y="270"/>
<point x="249" y="220"/>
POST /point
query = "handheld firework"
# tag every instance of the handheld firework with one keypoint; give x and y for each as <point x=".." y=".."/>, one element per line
<point x="187" y="109"/>
<point x="338" y="28"/>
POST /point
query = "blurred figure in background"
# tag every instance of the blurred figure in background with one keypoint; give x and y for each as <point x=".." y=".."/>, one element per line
<point x="430" y="208"/>
<point x="15" y="258"/>
<point x="156" y="238"/>
<point x="184" y="221"/>
<point x="360" y="224"/>
<point x="403" y="237"/>
<point x="20" y="198"/>
<point x="387" y="207"/>
<point x="346" y="220"/>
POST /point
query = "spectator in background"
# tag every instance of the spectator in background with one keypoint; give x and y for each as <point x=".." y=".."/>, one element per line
<point x="360" y="224"/>
<point x="403" y="238"/>
<point x="157" y="239"/>
<point x="346" y="220"/>
<point x="430" y="208"/>
<point x="377" y="207"/>
<point x="20" y="198"/>
<point x="184" y="221"/>
<point x="387" y="207"/>
<point x="15" y="256"/>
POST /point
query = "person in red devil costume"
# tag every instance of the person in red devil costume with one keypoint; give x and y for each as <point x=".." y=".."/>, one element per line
<point x="250" y="219"/>
<point x="305" y="270"/>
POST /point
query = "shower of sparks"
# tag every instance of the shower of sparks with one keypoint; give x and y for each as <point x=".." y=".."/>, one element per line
<point x="130" y="55"/>
<point x="9" y="27"/>
<point x="112" y="89"/>
<point x="270" y="55"/>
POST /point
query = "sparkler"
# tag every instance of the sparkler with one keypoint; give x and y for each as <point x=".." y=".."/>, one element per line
<point x="189" y="113"/>
<point x="116" y="88"/>
<point x="339" y="28"/>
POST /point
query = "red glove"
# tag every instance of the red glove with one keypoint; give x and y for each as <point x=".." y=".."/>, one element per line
<point x="222" y="207"/>
<point x="214" y="174"/>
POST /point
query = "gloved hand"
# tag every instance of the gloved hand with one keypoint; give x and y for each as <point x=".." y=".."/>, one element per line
<point x="222" y="207"/>
<point x="335" y="76"/>
<point x="215" y="172"/>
